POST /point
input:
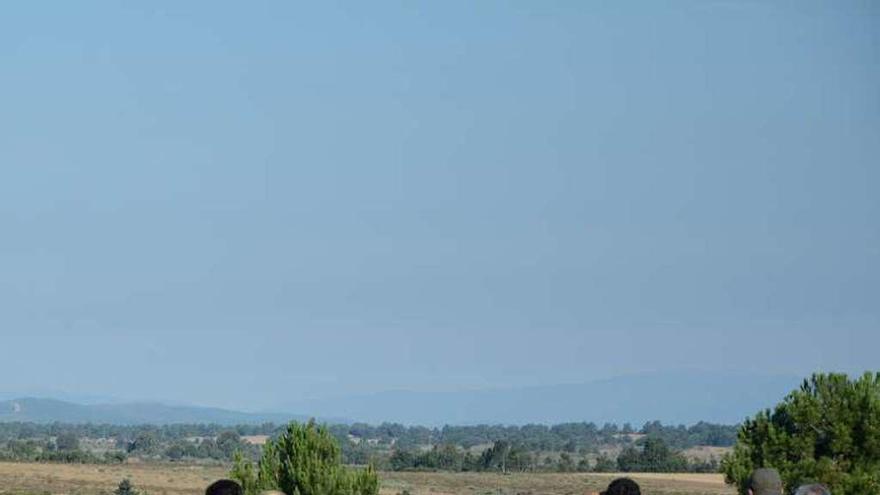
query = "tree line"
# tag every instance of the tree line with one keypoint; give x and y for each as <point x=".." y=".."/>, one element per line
<point x="650" y="454"/>
<point x="562" y="447"/>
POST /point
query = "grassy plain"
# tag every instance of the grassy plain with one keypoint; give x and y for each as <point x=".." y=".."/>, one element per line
<point x="185" y="479"/>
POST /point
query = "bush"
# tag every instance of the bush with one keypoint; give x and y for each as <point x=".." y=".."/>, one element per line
<point x="828" y="431"/>
<point x="653" y="457"/>
<point x="125" y="488"/>
<point x="304" y="460"/>
<point x="604" y="464"/>
<point x="115" y="457"/>
<point x="67" y="441"/>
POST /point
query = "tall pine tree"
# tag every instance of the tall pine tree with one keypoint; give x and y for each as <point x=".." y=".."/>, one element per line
<point x="828" y="431"/>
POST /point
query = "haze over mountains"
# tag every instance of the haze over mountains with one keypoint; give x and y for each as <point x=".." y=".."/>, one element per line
<point x="673" y="398"/>
<point x="42" y="410"/>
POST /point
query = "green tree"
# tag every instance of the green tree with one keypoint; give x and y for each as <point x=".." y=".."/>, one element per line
<point x="304" y="460"/>
<point x="565" y="463"/>
<point x="22" y="450"/>
<point x="402" y="459"/>
<point x="495" y="457"/>
<point x="827" y="431"/>
<point x="176" y="451"/>
<point x="447" y="457"/>
<point x="630" y="459"/>
<point x="144" y="443"/>
<point x="654" y="457"/>
<point x="658" y="457"/>
<point x="67" y="441"/>
<point x="604" y="464"/>
<point x="228" y="442"/>
<point x="519" y="459"/>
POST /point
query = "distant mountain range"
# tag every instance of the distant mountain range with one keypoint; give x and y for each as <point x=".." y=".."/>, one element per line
<point x="50" y="410"/>
<point x="673" y="398"/>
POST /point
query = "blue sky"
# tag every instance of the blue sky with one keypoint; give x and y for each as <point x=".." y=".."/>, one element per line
<point x="238" y="205"/>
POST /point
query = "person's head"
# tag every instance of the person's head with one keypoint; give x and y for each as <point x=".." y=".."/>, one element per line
<point x="814" y="489"/>
<point x="623" y="486"/>
<point x="765" y="481"/>
<point x="224" y="487"/>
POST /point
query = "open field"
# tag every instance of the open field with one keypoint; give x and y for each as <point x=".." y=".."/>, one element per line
<point x="546" y="483"/>
<point x="183" y="479"/>
<point x="165" y="479"/>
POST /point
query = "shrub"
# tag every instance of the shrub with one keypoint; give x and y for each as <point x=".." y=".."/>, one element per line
<point x="125" y="488"/>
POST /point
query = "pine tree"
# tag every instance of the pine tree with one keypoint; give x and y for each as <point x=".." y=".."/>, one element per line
<point x="828" y="432"/>
<point x="305" y="460"/>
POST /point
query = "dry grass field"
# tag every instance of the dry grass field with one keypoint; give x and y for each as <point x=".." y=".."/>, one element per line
<point x="165" y="479"/>
<point x="180" y="479"/>
<point x="547" y="484"/>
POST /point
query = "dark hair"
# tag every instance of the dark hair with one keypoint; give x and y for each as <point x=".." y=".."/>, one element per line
<point x="623" y="486"/>
<point x="815" y="489"/>
<point x="224" y="487"/>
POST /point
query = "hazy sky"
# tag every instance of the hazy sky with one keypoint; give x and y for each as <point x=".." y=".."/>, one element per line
<point x="235" y="204"/>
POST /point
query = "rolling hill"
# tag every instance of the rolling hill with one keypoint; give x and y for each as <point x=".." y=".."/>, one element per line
<point x="673" y="398"/>
<point x="41" y="410"/>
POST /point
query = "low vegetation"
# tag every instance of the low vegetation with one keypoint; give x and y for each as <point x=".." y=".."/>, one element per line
<point x="566" y="447"/>
<point x="125" y="488"/>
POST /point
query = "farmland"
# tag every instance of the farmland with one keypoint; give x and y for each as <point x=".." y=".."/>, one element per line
<point x="191" y="479"/>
